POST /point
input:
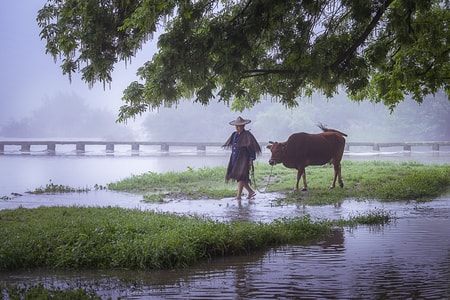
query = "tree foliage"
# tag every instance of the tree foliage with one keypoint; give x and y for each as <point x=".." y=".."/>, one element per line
<point x="240" y="52"/>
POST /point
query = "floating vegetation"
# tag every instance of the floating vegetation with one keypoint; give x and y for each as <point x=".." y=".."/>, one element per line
<point x="58" y="188"/>
<point x="99" y="187"/>
<point x="13" y="195"/>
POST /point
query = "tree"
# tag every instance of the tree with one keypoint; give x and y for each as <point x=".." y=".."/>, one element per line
<point x="240" y="52"/>
<point x="67" y="115"/>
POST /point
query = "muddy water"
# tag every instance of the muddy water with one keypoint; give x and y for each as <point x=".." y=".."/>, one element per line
<point x="407" y="259"/>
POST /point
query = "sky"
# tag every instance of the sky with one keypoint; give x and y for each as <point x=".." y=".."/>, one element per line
<point x="29" y="76"/>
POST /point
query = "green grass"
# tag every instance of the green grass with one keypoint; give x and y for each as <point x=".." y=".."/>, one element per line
<point x="108" y="238"/>
<point x="57" y="188"/>
<point x="195" y="184"/>
<point x="385" y="181"/>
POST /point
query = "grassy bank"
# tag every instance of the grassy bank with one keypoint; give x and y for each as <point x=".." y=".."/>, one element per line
<point x="385" y="181"/>
<point x="76" y="237"/>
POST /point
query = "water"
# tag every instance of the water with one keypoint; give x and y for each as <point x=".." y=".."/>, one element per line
<point x="407" y="259"/>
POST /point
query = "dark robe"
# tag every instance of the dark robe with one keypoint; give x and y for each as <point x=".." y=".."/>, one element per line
<point x="247" y="147"/>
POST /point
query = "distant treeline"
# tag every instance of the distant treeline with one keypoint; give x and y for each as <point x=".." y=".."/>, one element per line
<point x="68" y="116"/>
<point x="410" y="121"/>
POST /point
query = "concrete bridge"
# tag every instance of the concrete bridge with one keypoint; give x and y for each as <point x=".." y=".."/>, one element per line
<point x="80" y="146"/>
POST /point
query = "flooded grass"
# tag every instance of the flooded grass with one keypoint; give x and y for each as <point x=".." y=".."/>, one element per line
<point x="385" y="181"/>
<point x="57" y="188"/>
<point x="376" y="216"/>
<point x="110" y="238"/>
<point x="39" y="291"/>
<point x="201" y="183"/>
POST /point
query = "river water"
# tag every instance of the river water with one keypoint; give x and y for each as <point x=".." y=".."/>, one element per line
<point x="407" y="259"/>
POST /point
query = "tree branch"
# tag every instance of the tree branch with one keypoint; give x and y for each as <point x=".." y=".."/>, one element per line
<point x="346" y="56"/>
<point x="265" y="72"/>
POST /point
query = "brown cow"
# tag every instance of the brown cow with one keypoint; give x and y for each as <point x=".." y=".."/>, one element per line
<point x="305" y="149"/>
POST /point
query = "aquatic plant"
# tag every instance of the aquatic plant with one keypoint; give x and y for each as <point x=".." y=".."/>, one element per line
<point x="377" y="216"/>
<point x="58" y="188"/>
<point x="39" y="291"/>
<point x="5" y="198"/>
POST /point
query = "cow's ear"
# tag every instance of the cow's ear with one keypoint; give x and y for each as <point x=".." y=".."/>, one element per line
<point x="269" y="146"/>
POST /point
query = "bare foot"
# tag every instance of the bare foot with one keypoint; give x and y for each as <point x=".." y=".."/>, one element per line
<point x="251" y="195"/>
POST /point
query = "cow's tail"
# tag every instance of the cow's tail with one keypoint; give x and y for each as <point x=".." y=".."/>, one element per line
<point x="325" y="129"/>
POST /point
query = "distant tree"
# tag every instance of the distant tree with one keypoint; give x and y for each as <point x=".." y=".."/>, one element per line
<point x="67" y="115"/>
<point x="363" y="122"/>
<point x="238" y="51"/>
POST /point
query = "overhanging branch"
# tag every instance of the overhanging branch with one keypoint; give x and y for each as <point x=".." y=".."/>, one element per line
<point x="264" y="72"/>
<point x="358" y="42"/>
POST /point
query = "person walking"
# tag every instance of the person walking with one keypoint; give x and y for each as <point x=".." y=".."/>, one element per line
<point x="244" y="148"/>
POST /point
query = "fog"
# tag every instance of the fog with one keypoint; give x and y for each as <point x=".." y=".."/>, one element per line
<point x="37" y="101"/>
<point x="67" y="116"/>
<point x="363" y="122"/>
<point x="30" y="78"/>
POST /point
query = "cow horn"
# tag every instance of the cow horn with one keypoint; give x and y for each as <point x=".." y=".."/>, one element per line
<point x="270" y="142"/>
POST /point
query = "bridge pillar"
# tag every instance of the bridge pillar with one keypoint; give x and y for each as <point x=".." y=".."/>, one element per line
<point x="80" y="147"/>
<point x="376" y="147"/>
<point x="407" y="148"/>
<point x="25" y="148"/>
<point x="2" y="148"/>
<point x="164" y="147"/>
<point x="201" y="148"/>
<point x="135" y="149"/>
<point x="110" y="148"/>
<point x="51" y="148"/>
<point x="435" y="147"/>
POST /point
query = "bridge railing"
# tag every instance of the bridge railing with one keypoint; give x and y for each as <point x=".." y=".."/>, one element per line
<point x="135" y="146"/>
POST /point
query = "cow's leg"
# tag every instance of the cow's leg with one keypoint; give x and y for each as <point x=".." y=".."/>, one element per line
<point x="337" y="174"/>
<point x="304" y="181"/>
<point x="337" y="167"/>
<point x="301" y="173"/>
<point x="341" y="182"/>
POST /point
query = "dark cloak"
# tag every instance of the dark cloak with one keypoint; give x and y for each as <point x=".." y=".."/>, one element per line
<point x="247" y="144"/>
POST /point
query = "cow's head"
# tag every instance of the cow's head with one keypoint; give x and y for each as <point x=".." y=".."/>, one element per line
<point x="278" y="150"/>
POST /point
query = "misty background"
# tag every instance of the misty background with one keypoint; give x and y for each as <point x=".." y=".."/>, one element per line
<point x="37" y="101"/>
